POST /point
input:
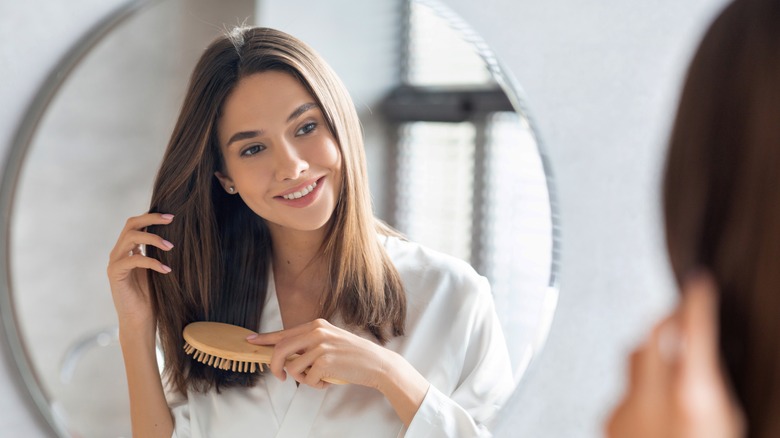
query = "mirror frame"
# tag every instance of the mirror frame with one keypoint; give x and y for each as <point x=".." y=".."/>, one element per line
<point x="35" y="111"/>
<point x="11" y="171"/>
<point x="517" y="98"/>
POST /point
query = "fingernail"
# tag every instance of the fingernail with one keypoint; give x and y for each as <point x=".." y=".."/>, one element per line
<point x="166" y="268"/>
<point x="252" y="336"/>
<point x="167" y="216"/>
<point x="167" y="244"/>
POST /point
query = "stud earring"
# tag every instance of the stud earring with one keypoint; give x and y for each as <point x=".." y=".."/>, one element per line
<point x="231" y="189"/>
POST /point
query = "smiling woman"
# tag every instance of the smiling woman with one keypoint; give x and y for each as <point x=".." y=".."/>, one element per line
<point x="337" y="287"/>
<point x="72" y="346"/>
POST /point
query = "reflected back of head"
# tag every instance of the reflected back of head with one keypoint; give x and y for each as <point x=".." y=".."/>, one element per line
<point x="721" y="201"/>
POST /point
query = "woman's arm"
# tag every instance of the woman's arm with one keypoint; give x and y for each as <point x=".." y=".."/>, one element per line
<point x="403" y="386"/>
<point x="481" y="367"/>
<point x="149" y="411"/>
<point x="127" y="269"/>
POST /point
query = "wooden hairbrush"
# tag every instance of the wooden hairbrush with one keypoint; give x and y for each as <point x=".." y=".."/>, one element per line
<point x="224" y="346"/>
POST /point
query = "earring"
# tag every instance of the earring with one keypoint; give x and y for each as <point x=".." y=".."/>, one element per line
<point x="231" y="189"/>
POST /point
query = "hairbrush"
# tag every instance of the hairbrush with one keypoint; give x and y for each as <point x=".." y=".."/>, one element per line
<point x="224" y="346"/>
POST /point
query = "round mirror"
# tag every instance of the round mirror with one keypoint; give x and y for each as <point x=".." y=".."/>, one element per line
<point x="454" y="162"/>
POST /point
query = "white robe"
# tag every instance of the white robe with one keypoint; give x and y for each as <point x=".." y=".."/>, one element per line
<point x="453" y="338"/>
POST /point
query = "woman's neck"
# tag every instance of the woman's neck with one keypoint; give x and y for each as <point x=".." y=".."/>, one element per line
<point x="296" y="256"/>
<point x="295" y="250"/>
<point x="299" y="274"/>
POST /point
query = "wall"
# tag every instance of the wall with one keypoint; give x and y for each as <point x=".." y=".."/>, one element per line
<point x="602" y="79"/>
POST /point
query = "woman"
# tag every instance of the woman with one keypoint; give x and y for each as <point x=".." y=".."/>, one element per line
<point x="713" y="368"/>
<point x="261" y="217"/>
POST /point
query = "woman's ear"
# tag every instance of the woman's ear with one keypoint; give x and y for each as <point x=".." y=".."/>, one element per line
<point x="226" y="182"/>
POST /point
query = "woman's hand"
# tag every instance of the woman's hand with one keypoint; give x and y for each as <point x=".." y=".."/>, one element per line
<point x="677" y="388"/>
<point x="127" y="270"/>
<point x="328" y="352"/>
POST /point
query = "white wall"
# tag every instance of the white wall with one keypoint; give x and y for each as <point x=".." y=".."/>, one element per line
<point x="602" y="78"/>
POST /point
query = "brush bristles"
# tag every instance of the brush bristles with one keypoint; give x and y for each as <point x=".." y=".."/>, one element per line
<point x="222" y="363"/>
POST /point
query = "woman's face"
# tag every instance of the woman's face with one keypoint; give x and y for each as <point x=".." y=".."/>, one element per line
<point x="279" y="155"/>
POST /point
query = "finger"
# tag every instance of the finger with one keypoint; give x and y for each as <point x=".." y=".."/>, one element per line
<point x="131" y="239"/>
<point x="316" y="366"/>
<point x="637" y="414"/>
<point x="699" y="322"/>
<point x="313" y="378"/>
<point x="122" y="267"/>
<point x="308" y="369"/>
<point x="701" y="384"/>
<point x="621" y="424"/>
<point x="298" y="376"/>
<point x="270" y="338"/>
<point x="635" y="362"/>
<point x="299" y="366"/>
<point x="278" y="364"/>
<point x="283" y="352"/>
<point x="273" y="338"/>
<point x="279" y="373"/>
<point x="309" y="379"/>
<point x="655" y="371"/>
<point x="144" y="220"/>
<point x="321" y="371"/>
<point x="669" y="339"/>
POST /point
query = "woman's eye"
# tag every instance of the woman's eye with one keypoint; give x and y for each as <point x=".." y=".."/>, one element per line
<point x="307" y="128"/>
<point x="252" y="150"/>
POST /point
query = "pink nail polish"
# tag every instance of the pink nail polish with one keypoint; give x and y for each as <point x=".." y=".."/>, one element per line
<point x="167" y="216"/>
<point x="250" y="337"/>
<point x="166" y="268"/>
<point x="167" y="244"/>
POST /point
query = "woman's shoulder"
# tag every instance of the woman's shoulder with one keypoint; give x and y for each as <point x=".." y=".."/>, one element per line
<point x="425" y="270"/>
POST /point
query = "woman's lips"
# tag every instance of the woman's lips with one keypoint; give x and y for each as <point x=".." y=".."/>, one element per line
<point x="302" y="195"/>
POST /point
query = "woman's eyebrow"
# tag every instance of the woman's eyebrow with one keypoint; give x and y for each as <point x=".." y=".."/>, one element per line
<point x="245" y="135"/>
<point x="300" y="110"/>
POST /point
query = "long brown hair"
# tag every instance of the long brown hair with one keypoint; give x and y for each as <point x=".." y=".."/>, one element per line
<point x="222" y="254"/>
<point x="722" y="196"/>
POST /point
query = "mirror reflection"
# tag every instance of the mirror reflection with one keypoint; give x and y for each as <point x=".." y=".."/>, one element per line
<point x="452" y="165"/>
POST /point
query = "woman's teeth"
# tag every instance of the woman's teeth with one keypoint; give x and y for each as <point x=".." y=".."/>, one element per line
<point x="302" y="193"/>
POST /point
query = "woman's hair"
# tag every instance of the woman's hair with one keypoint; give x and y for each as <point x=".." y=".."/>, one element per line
<point x="222" y="255"/>
<point x="722" y="196"/>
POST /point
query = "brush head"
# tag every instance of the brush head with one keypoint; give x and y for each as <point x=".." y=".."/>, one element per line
<point x="224" y="346"/>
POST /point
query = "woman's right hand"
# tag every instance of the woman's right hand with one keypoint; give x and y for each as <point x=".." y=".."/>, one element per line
<point x="677" y="385"/>
<point x="127" y="267"/>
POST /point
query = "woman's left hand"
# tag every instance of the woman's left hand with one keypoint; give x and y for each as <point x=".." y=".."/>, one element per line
<point x="326" y="352"/>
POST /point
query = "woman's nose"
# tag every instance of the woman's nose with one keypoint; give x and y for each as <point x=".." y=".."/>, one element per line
<point x="289" y="163"/>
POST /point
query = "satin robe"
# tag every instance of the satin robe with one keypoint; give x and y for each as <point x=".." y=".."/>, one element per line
<point x="453" y="338"/>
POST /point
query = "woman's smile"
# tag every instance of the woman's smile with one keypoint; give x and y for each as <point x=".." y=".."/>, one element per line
<point x="303" y="195"/>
